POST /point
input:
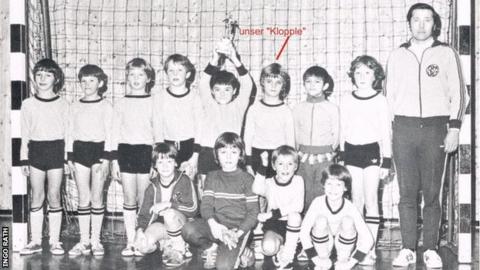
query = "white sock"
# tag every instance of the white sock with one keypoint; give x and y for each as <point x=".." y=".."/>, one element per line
<point x="97" y="221"/>
<point x="176" y="240"/>
<point x="129" y="218"/>
<point x="373" y="222"/>
<point x="321" y="245"/>
<point x="36" y="224"/>
<point x="290" y="246"/>
<point x="55" y="224"/>
<point x="84" y="223"/>
<point x="344" y="246"/>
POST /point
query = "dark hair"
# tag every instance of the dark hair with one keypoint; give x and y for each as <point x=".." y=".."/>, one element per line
<point x="184" y="61"/>
<point x="285" y="150"/>
<point x="230" y="139"/>
<point x="371" y="63"/>
<point x="48" y="65"/>
<point x="97" y="72"/>
<point x="223" y="77"/>
<point x="147" y="68"/>
<point x="163" y="150"/>
<point x="316" y="71"/>
<point x="437" y="22"/>
<point x="340" y="173"/>
<point x="275" y="70"/>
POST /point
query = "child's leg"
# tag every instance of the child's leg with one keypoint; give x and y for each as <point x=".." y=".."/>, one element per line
<point x="321" y="238"/>
<point x="271" y="243"/>
<point x="129" y="183"/>
<point x="371" y="175"/>
<point x="291" y="238"/>
<point x="154" y="233"/>
<point x="37" y="182"/>
<point x="174" y="221"/>
<point x="143" y="179"/>
<point x="358" y="197"/>
<point x="55" y="177"/>
<point x="82" y="178"/>
<point x="98" y="208"/>
<point x="345" y="239"/>
<point x="197" y="233"/>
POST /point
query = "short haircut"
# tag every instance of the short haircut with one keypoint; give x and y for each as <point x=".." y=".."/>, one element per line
<point x="341" y="173"/>
<point x="147" y="68"/>
<point x="185" y="62"/>
<point x="285" y="150"/>
<point x="163" y="150"/>
<point x="48" y="65"/>
<point x="437" y="21"/>
<point x="275" y="70"/>
<point x="372" y="64"/>
<point x="316" y="71"/>
<point x="230" y="139"/>
<point x="223" y="77"/>
<point x="97" y="72"/>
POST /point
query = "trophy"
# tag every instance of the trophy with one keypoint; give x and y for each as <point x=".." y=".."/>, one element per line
<point x="229" y="33"/>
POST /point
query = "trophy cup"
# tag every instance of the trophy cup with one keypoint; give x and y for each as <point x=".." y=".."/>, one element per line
<point x="229" y="33"/>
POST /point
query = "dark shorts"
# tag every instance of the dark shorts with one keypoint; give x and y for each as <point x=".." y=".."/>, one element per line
<point x="257" y="160"/>
<point x="277" y="226"/>
<point x="87" y="153"/>
<point x="363" y="155"/>
<point x="46" y="155"/>
<point x="184" y="148"/>
<point x="206" y="161"/>
<point x="135" y="158"/>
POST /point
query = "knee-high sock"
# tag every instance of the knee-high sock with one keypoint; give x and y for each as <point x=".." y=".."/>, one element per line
<point x="55" y="224"/>
<point x="344" y="246"/>
<point x="176" y="240"/>
<point x="321" y="245"/>
<point x="373" y="222"/>
<point x="84" y="223"/>
<point x="36" y="224"/>
<point x="257" y="240"/>
<point x="290" y="245"/>
<point x="97" y="221"/>
<point x="129" y="218"/>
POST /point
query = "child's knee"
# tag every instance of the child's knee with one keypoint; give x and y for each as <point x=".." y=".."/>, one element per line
<point x="189" y="232"/>
<point x="270" y="247"/>
<point x="347" y="226"/>
<point x="173" y="217"/>
<point x="294" y="219"/>
<point x="146" y="246"/>
<point x="321" y="226"/>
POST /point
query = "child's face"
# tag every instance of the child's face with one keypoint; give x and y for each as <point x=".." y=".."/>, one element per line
<point x="223" y="93"/>
<point x="364" y="77"/>
<point x="177" y="74"/>
<point x="90" y="85"/>
<point x="285" y="166"/>
<point x="45" y="81"/>
<point x="421" y="24"/>
<point x="334" y="188"/>
<point x="273" y="86"/>
<point x="137" y="79"/>
<point x="315" y="86"/>
<point x="228" y="157"/>
<point x="165" y="166"/>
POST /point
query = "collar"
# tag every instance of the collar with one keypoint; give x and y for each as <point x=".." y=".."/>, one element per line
<point x="140" y="96"/>
<point x="336" y="211"/>
<point x="178" y="96"/>
<point x="434" y="44"/>
<point x="271" y="105"/>
<point x="364" y="98"/>
<point x="176" y="176"/>
<point x="91" y="101"/>
<point x="312" y="99"/>
<point x="46" y="99"/>
<point x="283" y="184"/>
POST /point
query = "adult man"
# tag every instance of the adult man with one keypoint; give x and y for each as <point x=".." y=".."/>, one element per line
<point x="427" y="96"/>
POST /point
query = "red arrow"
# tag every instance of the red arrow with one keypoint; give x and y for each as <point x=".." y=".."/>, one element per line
<point x="283" y="47"/>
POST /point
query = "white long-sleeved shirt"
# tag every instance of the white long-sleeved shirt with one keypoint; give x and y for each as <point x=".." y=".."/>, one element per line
<point x="42" y="120"/>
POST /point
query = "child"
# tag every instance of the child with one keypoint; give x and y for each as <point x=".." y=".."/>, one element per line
<point x="229" y="208"/>
<point x="284" y="194"/>
<point x="169" y="200"/>
<point x="317" y="126"/>
<point x="269" y="122"/>
<point x="366" y="139"/>
<point x="333" y="220"/>
<point x="44" y="125"/>
<point x="180" y="112"/>
<point x="135" y="130"/>
<point x="88" y="151"/>
<point x="224" y="103"/>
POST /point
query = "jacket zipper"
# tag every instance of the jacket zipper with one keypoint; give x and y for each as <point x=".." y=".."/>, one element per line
<point x="419" y="78"/>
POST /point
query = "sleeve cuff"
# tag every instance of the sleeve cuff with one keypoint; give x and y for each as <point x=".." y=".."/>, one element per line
<point x="248" y="160"/>
<point x="24" y="162"/>
<point x="196" y="148"/>
<point x="276" y="214"/>
<point x="386" y="163"/>
<point x="359" y="255"/>
<point x="453" y="123"/>
<point x="210" y="70"/>
<point x="262" y="170"/>
<point x="311" y="252"/>
<point x="242" y="70"/>
<point x="70" y="156"/>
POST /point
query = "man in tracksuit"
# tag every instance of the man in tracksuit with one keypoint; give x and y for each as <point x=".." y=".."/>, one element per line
<point x="427" y="95"/>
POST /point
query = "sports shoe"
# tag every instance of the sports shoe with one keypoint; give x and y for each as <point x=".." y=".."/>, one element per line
<point x="172" y="257"/>
<point x="57" y="249"/>
<point x="281" y="264"/>
<point x="31" y="248"/>
<point x="370" y="259"/>
<point x="210" y="257"/>
<point x="432" y="259"/>
<point x="405" y="258"/>
<point x="323" y="264"/>
<point x="302" y="256"/>
<point x="79" y="249"/>
<point x="97" y="249"/>
<point x="128" y="251"/>
<point x="138" y="253"/>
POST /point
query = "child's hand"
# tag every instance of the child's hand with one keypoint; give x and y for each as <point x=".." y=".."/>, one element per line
<point x="230" y="238"/>
<point x="159" y="207"/>
<point x="26" y="170"/>
<point x="116" y="171"/>
<point x="250" y="170"/>
<point x="217" y="229"/>
<point x="345" y="264"/>
<point x="264" y="158"/>
<point x="71" y="169"/>
<point x="262" y="217"/>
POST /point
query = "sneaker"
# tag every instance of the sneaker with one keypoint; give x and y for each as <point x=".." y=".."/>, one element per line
<point x="188" y="254"/>
<point x="432" y="259"/>
<point x="57" y="249"/>
<point x="210" y="257"/>
<point x="31" y="248"/>
<point x="369" y="260"/>
<point x="172" y="258"/>
<point x="97" y="249"/>
<point x="302" y="256"/>
<point x="323" y="263"/>
<point x="138" y="253"/>
<point x="128" y="251"/>
<point x="405" y="258"/>
<point x="79" y="249"/>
